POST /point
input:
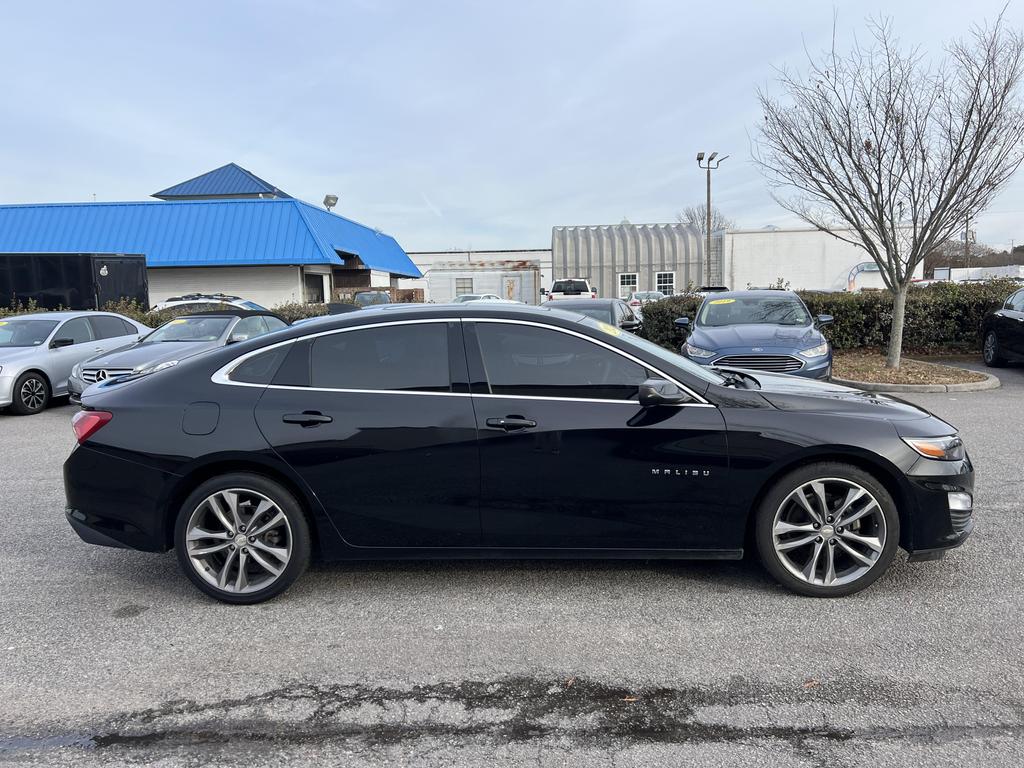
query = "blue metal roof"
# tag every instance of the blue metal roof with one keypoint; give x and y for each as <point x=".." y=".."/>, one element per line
<point x="201" y="233"/>
<point x="227" y="181"/>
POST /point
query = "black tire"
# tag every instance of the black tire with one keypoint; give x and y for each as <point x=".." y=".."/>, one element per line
<point x="31" y="394"/>
<point x="990" y="351"/>
<point x="297" y="530"/>
<point x="836" y="474"/>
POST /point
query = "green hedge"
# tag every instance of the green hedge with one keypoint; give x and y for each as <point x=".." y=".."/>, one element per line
<point x="944" y="317"/>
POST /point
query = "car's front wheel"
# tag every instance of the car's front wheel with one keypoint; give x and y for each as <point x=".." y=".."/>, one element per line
<point x="242" y="538"/>
<point x="990" y="351"/>
<point x="827" y="530"/>
<point x="31" y="394"/>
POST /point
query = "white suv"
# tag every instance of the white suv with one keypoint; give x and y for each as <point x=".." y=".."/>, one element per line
<point x="571" y="288"/>
<point x="200" y="302"/>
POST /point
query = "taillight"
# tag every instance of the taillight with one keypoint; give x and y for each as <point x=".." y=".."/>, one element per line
<point x="88" y="423"/>
<point x="593" y="294"/>
<point x="634" y="303"/>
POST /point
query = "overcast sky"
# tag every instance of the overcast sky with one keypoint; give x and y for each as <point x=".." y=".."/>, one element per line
<point x="447" y="124"/>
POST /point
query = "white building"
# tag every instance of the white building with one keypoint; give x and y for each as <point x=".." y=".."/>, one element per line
<point x="499" y="260"/>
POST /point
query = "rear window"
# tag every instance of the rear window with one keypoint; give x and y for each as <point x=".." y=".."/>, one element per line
<point x="260" y="369"/>
<point x="402" y="357"/>
<point x="570" y="286"/>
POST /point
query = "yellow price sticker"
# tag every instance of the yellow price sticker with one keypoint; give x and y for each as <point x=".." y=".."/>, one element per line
<point x="722" y="301"/>
<point x="179" y="321"/>
<point x="611" y="330"/>
<point x="3" y="322"/>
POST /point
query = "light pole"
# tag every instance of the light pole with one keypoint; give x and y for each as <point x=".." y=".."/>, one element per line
<point x="709" y="165"/>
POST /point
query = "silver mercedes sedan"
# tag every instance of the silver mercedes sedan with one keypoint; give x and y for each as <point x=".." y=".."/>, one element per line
<point x="37" y="352"/>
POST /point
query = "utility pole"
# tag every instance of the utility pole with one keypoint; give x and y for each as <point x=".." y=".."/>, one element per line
<point x="709" y="165"/>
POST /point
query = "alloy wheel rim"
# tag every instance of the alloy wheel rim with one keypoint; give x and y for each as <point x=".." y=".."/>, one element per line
<point x="990" y="346"/>
<point x="33" y="394"/>
<point x="829" y="532"/>
<point x="238" y="540"/>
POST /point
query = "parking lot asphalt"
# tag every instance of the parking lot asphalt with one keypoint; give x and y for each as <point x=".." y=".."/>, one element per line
<point x="112" y="657"/>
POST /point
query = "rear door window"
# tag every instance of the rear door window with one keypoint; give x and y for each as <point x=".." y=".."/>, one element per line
<point x="109" y="327"/>
<point x="409" y="358"/>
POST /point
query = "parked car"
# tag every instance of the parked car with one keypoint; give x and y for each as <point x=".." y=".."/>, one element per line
<point x="172" y="342"/>
<point x="615" y="312"/>
<point x="572" y="288"/>
<point x="1003" y="332"/>
<point x="471" y="297"/>
<point x="207" y="302"/>
<point x="38" y="351"/>
<point x="638" y="298"/>
<point x="493" y="430"/>
<point x="766" y="330"/>
<point x="371" y="298"/>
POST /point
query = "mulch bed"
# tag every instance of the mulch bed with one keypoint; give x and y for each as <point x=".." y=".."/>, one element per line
<point x="870" y="367"/>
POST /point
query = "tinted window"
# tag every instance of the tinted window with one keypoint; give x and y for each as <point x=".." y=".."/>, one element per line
<point x="191" y="329"/>
<point x="109" y="327"/>
<point x="1016" y="301"/>
<point x="523" y="360"/>
<point x="78" y="330"/>
<point x="274" y="324"/>
<point x="569" y="286"/>
<point x="249" y="328"/>
<point x="260" y="369"/>
<point x="600" y="312"/>
<point x="402" y="357"/>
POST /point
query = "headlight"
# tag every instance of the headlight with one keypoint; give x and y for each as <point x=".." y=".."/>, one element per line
<point x="693" y="351"/>
<point x="76" y="372"/>
<point x="818" y="351"/>
<point x="144" y="369"/>
<point x="949" y="448"/>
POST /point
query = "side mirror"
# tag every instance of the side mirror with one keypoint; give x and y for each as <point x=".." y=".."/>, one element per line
<point x="543" y="291"/>
<point x="237" y="337"/>
<point x="56" y="343"/>
<point x="682" y="324"/>
<point x="825" y="319"/>
<point x="654" y="392"/>
<point x="629" y="325"/>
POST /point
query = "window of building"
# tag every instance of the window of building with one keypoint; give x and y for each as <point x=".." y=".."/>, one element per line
<point x="463" y="285"/>
<point x="524" y="360"/>
<point x="627" y="284"/>
<point x="400" y="357"/>
<point x="665" y="282"/>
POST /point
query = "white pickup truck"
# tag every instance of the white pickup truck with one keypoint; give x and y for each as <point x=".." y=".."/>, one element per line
<point x="571" y="288"/>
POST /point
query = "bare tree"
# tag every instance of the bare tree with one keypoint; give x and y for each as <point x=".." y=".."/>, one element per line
<point x="893" y="154"/>
<point x="697" y="216"/>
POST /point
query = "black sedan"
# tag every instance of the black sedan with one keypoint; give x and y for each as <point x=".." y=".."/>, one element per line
<point x="503" y="431"/>
<point x="612" y="311"/>
<point x="1003" y="332"/>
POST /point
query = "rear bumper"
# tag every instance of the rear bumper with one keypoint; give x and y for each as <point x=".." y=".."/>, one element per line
<point x="115" y="502"/>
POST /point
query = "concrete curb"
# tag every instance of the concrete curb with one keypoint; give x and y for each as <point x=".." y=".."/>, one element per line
<point x="990" y="382"/>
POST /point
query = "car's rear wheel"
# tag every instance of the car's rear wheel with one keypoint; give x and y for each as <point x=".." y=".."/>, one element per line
<point x="990" y="352"/>
<point x="827" y="530"/>
<point x="242" y="538"/>
<point x="31" y="394"/>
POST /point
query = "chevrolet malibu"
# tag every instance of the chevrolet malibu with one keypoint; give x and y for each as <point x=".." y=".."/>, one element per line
<point x="504" y="431"/>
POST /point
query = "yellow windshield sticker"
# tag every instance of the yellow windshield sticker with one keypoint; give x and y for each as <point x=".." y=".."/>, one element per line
<point x="611" y="330"/>
<point x="722" y="301"/>
<point x="179" y="321"/>
<point x="3" y="322"/>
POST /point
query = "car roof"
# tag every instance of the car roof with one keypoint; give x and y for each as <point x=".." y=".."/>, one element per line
<point x="232" y="312"/>
<point x="761" y="293"/>
<point x="64" y="315"/>
<point x="586" y="302"/>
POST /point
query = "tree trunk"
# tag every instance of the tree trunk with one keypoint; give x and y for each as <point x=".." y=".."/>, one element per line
<point x="899" y="307"/>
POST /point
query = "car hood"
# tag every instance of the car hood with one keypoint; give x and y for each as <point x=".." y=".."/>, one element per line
<point x="756" y="335"/>
<point x="154" y="353"/>
<point x="795" y="393"/>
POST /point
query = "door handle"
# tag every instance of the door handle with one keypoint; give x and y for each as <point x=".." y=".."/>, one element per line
<point x="306" y="418"/>
<point x="511" y="423"/>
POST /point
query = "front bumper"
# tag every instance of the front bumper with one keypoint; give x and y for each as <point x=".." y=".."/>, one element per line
<point x="935" y="527"/>
<point x="6" y="390"/>
<point x="75" y="388"/>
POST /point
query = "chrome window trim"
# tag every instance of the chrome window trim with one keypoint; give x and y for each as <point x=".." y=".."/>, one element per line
<point x="220" y="376"/>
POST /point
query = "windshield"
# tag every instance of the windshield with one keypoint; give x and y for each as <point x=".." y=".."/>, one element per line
<point x="753" y="310"/>
<point x="24" y="332"/>
<point x="570" y="286"/>
<point x="651" y="295"/>
<point x="190" y="329"/>
<point x="253" y="306"/>
<point x="466" y="297"/>
<point x="369" y="298"/>
<point x="672" y="358"/>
